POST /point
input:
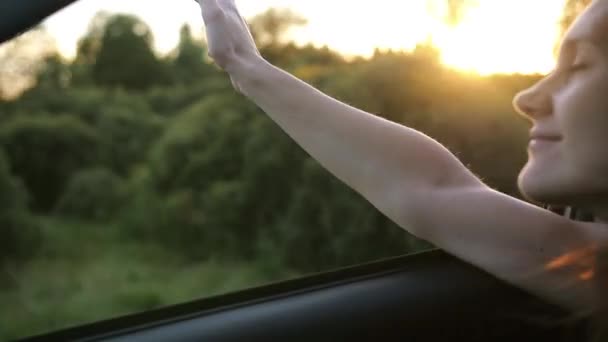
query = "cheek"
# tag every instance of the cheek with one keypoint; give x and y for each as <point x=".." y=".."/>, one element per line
<point x="584" y="125"/>
<point x="581" y="111"/>
<point x="581" y="114"/>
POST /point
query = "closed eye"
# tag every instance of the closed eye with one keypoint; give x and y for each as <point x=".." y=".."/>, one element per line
<point x="572" y="70"/>
<point x="578" y="67"/>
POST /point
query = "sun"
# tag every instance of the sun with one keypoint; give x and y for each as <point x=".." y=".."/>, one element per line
<point x="502" y="37"/>
<point x="492" y="36"/>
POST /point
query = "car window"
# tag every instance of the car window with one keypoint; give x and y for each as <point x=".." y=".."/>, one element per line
<point x="133" y="176"/>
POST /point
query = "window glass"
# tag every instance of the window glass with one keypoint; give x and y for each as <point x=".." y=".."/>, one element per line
<point x="133" y="177"/>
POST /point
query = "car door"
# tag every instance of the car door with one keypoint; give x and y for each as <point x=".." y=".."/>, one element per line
<point x="427" y="296"/>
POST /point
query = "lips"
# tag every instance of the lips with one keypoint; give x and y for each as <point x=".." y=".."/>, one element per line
<point x="539" y="135"/>
<point x="541" y="140"/>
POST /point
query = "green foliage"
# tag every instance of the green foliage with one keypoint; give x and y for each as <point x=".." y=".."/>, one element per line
<point x="207" y="173"/>
<point x="122" y="56"/>
<point x="269" y="28"/>
<point x="19" y="231"/>
<point x="169" y="102"/>
<point x="108" y="276"/>
<point x="196" y="166"/>
<point x="326" y="225"/>
<point x="125" y="124"/>
<point x="381" y="85"/>
<point x="169" y="220"/>
<point x="54" y="73"/>
<point x="45" y="151"/>
<point x="126" y="135"/>
<point x="93" y="194"/>
<point x="188" y="63"/>
<point x="202" y="145"/>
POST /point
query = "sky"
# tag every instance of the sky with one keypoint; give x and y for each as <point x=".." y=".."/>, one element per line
<point x="494" y="36"/>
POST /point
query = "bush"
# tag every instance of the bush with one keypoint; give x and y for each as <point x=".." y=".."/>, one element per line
<point x="124" y="123"/>
<point x="202" y="144"/>
<point x="236" y="167"/>
<point x="193" y="224"/>
<point x="126" y="136"/>
<point x="45" y="151"/>
<point x="93" y="194"/>
<point x="327" y="225"/>
<point x="20" y="233"/>
<point x="179" y="222"/>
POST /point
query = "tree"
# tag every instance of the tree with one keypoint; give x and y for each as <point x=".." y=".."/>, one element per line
<point x="89" y="45"/>
<point x="54" y="73"/>
<point x="269" y="29"/>
<point x="188" y="62"/>
<point x="381" y="85"/>
<point x="118" y="50"/>
<point x="201" y="145"/>
<point x="21" y="59"/>
<point x="45" y="151"/>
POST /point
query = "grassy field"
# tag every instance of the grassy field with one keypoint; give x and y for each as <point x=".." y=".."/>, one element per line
<point x="86" y="273"/>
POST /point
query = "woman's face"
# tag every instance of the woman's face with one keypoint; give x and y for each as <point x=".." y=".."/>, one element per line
<point x="568" y="151"/>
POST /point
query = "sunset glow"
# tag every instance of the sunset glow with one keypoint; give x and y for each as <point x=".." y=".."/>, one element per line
<point x="494" y="36"/>
<point x="503" y="36"/>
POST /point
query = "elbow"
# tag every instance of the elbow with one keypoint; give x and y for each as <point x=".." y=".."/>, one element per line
<point x="414" y="206"/>
<point x="406" y="206"/>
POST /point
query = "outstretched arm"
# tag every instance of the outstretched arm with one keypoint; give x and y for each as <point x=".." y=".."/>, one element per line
<point x="408" y="176"/>
<point x="389" y="164"/>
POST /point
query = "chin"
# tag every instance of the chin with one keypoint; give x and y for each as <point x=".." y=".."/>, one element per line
<point x="540" y="188"/>
<point x="530" y="192"/>
<point x="552" y="183"/>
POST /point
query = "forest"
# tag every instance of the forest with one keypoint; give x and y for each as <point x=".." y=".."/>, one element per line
<point x="131" y="181"/>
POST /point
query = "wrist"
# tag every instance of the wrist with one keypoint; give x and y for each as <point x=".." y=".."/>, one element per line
<point x="245" y="67"/>
<point x="249" y="72"/>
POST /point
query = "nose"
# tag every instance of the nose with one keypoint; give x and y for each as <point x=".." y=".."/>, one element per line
<point x="534" y="102"/>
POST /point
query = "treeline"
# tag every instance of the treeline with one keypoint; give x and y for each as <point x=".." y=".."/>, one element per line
<point x="164" y="149"/>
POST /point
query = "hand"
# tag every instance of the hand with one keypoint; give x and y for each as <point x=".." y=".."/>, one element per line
<point x="229" y="41"/>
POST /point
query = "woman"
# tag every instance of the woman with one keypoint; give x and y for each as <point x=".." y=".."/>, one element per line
<point x="421" y="186"/>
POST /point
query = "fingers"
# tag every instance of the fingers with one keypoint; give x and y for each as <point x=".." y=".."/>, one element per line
<point x="210" y="9"/>
<point x="217" y="4"/>
<point x="223" y="5"/>
<point x="226" y="2"/>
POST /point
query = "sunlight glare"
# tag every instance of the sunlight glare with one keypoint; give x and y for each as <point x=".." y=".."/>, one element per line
<point x="502" y="37"/>
<point x="495" y="36"/>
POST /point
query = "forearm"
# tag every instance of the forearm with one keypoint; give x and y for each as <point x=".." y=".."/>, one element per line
<point x="382" y="160"/>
